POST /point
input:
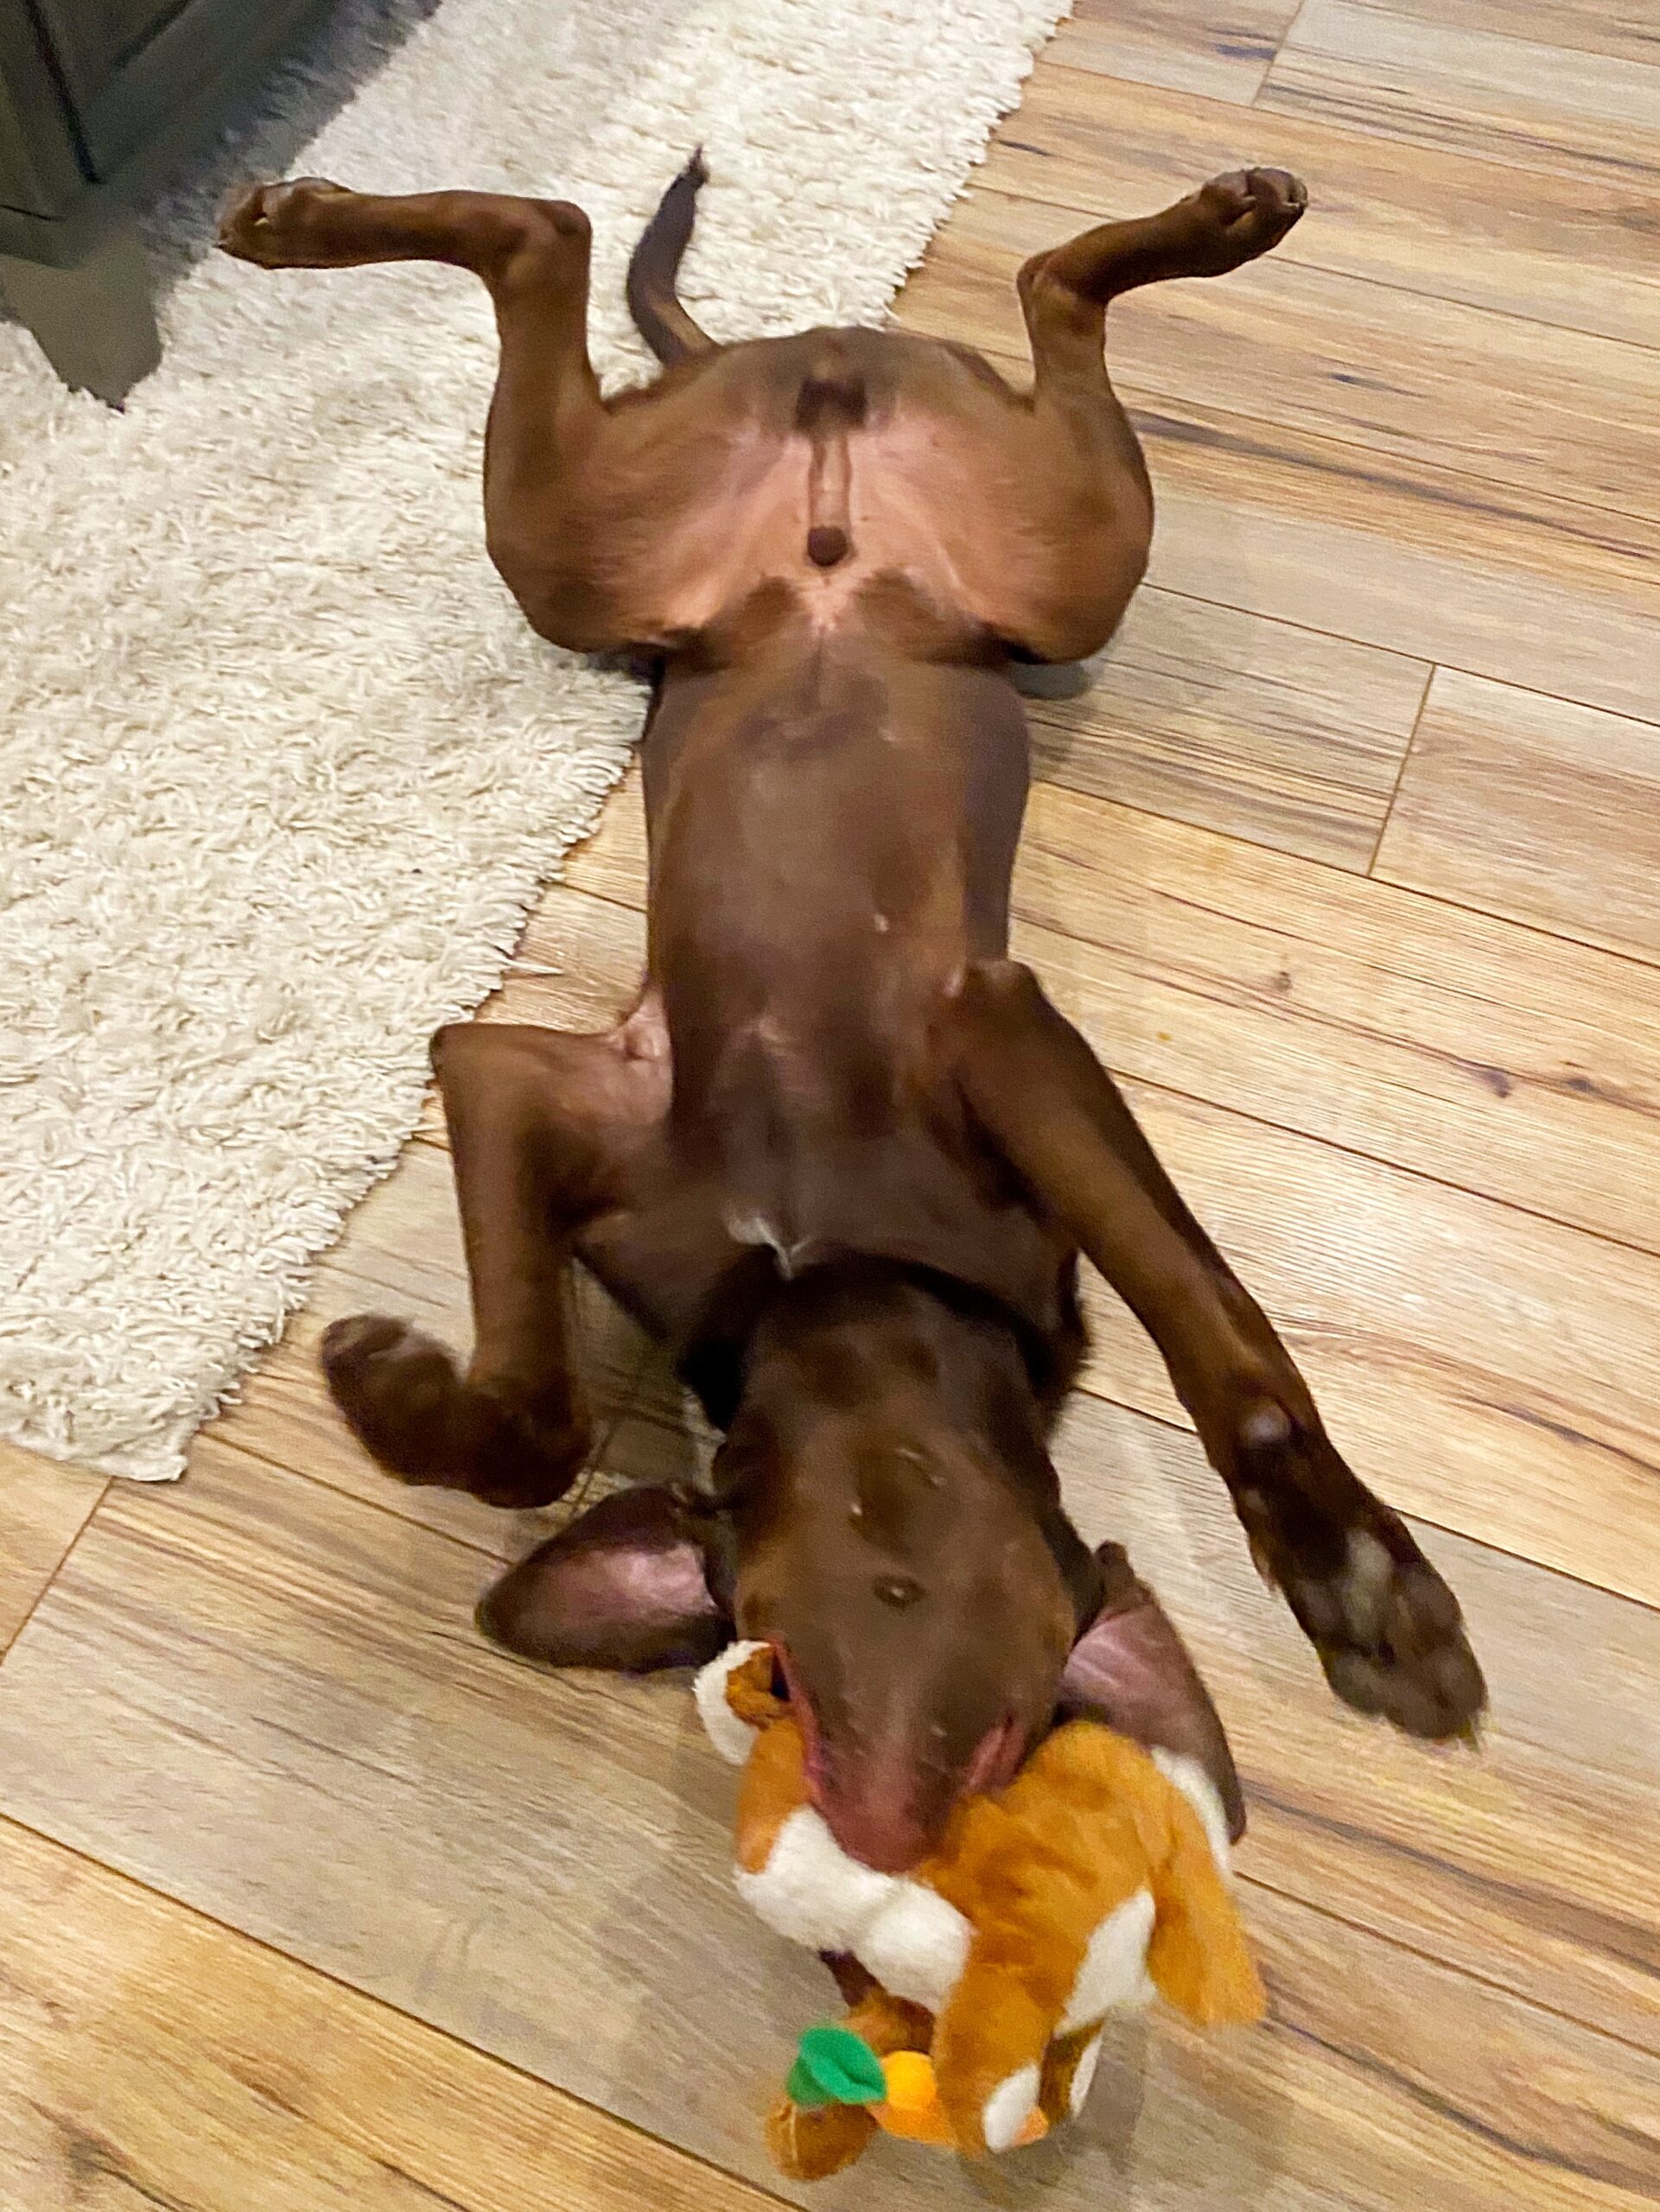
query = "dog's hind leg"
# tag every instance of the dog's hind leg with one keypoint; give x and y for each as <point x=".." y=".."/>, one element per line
<point x="547" y="533"/>
<point x="532" y="254"/>
<point x="1224" y="224"/>
<point x="1098" y="533"/>
<point x="1066" y="292"/>
<point x="542" y="1129"/>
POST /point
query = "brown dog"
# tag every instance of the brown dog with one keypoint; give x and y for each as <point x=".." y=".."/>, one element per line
<point x="844" y="1156"/>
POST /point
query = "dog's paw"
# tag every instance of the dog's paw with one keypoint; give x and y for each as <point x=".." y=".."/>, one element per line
<point x="277" y="226"/>
<point x="408" y="1406"/>
<point x="1235" y="217"/>
<point x="1396" y="1643"/>
<point x="397" y="1390"/>
<point x="1388" y="1631"/>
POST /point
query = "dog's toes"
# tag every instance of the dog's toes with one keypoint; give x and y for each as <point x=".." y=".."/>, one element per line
<point x="1242" y="214"/>
<point x="239" y="219"/>
<point x="1388" y="1631"/>
<point x="393" y="1385"/>
<point x="1270" y="197"/>
<point x="410" y="1407"/>
<point x="1398" y="1648"/>
<point x="271" y="225"/>
<point x="346" y="1345"/>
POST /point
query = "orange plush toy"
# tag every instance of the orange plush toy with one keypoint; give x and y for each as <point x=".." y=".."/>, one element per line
<point x="1096" y="1879"/>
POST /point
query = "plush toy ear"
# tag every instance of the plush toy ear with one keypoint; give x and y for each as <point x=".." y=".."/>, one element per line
<point x="1131" y="1669"/>
<point x="736" y="1699"/>
<point x="623" y="1588"/>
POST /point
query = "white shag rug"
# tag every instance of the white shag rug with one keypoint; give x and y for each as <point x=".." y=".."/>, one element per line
<point x="281" y="767"/>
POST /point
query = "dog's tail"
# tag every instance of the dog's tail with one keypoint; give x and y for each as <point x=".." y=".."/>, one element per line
<point x="652" y="300"/>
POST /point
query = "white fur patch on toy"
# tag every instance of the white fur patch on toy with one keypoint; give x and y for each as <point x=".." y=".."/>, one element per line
<point x="812" y="1893"/>
<point x="1201" y="1793"/>
<point x="809" y="1891"/>
<point x="1008" y="2108"/>
<point x="917" y="1946"/>
<point x="1114" y="1970"/>
<point x="732" y="1738"/>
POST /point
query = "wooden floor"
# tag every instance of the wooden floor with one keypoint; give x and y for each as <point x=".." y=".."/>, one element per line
<point x="1350" y="863"/>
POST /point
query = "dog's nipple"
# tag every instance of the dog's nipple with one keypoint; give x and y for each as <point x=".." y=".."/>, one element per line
<point x="898" y="1589"/>
<point x="827" y="544"/>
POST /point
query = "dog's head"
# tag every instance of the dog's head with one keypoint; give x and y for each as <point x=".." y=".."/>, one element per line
<point x="897" y="1538"/>
<point x="885" y="1517"/>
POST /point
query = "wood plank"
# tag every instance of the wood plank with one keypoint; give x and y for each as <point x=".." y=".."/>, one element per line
<point x="1628" y="29"/>
<point x="1540" y="410"/>
<point x="1219" y="48"/>
<point x="1431" y="1320"/>
<point x="1514" y="1066"/>
<point x="1538" y="809"/>
<point x="147" y="2056"/>
<point x="1455" y="87"/>
<point x="1280" y="734"/>
<point x="1440" y="223"/>
<point x="540" y="1865"/>
<point x="1545" y="593"/>
<point x="43" y="1508"/>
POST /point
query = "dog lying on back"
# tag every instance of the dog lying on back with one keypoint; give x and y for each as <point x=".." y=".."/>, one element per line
<point x="843" y="1156"/>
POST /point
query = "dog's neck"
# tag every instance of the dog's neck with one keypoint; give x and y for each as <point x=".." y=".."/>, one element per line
<point x="900" y="1344"/>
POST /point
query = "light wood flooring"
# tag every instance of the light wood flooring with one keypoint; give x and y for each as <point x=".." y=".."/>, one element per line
<point x="1350" y="863"/>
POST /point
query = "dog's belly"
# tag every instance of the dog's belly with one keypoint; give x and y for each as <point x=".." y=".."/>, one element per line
<point x="832" y="826"/>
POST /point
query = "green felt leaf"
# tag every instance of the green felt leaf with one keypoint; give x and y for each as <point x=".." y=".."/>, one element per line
<point x="835" y="2067"/>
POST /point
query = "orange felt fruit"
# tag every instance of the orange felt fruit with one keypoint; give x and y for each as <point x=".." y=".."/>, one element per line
<point x="912" y="2109"/>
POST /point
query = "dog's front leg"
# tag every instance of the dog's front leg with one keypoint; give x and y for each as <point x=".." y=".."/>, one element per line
<point x="1388" y="1629"/>
<point x="542" y="1130"/>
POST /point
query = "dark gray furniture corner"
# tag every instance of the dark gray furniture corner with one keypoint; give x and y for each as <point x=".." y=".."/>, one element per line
<point x="97" y="98"/>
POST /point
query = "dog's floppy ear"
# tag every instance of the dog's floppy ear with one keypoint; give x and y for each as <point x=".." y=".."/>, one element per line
<point x="623" y="1587"/>
<point x="1131" y="1669"/>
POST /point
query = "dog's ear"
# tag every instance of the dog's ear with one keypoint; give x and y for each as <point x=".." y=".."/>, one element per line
<point x="1131" y="1669"/>
<point x="624" y="1586"/>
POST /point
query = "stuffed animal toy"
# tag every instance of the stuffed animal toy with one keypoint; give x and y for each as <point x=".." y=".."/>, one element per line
<point x="980" y="1981"/>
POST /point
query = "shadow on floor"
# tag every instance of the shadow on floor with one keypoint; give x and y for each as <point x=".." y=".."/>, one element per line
<point x="332" y="57"/>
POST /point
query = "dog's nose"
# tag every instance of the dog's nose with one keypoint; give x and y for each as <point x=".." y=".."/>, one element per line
<point x="889" y="1838"/>
<point x="886" y="1808"/>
